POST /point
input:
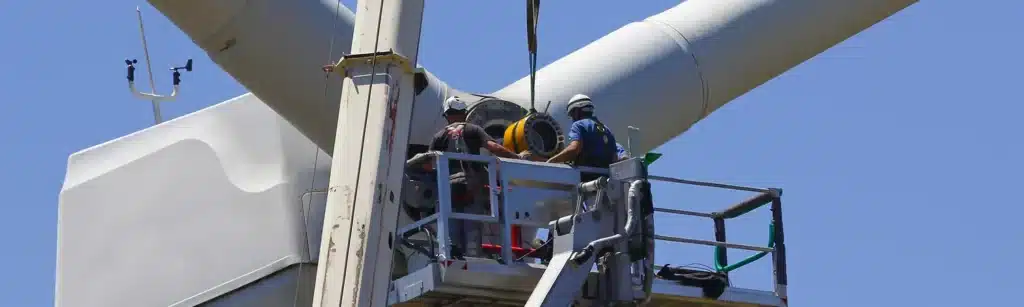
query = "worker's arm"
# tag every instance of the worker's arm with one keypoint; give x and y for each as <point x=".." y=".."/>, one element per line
<point x="489" y="143"/>
<point x="568" y="154"/>
<point x="575" y="146"/>
<point x="498" y="150"/>
<point x="529" y="156"/>
<point x="620" y="153"/>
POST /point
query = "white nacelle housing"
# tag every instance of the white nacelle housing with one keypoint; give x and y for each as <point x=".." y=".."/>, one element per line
<point x="188" y="210"/>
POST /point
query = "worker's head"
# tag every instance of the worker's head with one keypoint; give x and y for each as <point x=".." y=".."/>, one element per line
<point x="580" y="107"/>
<point x="454" y="109"/>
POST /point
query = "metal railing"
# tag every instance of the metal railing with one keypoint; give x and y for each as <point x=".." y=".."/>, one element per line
<point x="445" y="216"/>
<point x="776" y="246"/>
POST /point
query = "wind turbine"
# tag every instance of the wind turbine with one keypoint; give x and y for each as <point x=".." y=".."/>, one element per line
<point x="232" y="196"/>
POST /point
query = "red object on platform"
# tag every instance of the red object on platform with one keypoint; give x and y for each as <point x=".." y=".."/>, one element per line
<point x="517" y="249"/>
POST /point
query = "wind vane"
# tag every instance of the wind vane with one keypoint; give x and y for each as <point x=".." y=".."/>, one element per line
<point x="152" y="96"/>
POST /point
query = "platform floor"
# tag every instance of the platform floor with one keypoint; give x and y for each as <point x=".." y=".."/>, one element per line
<point x="479" y="283"/>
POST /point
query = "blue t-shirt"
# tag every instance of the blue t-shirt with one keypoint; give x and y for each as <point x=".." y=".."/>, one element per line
<point x="599" y="146"/>
<point x="620" y="152"/>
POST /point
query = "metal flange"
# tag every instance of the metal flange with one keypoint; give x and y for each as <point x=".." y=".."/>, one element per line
<point x="380" y="57"/>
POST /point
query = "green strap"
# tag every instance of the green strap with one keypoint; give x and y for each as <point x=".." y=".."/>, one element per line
<point x="650" y="157"/>
<point x="722" y="268"/>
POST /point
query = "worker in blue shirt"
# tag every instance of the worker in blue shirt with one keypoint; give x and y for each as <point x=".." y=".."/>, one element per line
<point x="591" y="143"/>
<point x="620" y="152"/>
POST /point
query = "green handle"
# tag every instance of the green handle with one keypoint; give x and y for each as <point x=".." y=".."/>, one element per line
<point x="650" y="157"/>
<point x="728" y="268"/>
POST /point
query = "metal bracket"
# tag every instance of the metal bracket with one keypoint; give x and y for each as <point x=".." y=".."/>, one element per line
<point x="385" y="57"/>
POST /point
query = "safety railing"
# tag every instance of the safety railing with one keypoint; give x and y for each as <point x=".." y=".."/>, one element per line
<point x="498" y="195"/>
<point x="776" y="242"/>
<point x="515" y="184"/>
<point x="444" y="216"/>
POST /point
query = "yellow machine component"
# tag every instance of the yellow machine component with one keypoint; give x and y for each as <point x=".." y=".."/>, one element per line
<point x="537" y="133"/>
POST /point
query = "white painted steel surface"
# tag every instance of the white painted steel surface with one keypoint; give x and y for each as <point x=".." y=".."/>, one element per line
<point x="368" y="165"/>
<point x="187" y="210"/>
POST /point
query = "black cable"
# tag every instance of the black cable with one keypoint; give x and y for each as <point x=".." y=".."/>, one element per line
<point x="404" y="238"/>
<point x="316" y="156"/>
<point x="532" y="15"/>
<point x="431" y="238"/>
<point x="696" y="271"/>
<point x="698" y="267"/>
<point x="530" y="253"/>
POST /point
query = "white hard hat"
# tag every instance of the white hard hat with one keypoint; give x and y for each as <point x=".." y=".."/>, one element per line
<point x="453" y="103"/>
<point x="579" y="101"/>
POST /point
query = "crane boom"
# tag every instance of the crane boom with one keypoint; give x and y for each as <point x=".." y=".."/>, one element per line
<point x="369" y="156"/>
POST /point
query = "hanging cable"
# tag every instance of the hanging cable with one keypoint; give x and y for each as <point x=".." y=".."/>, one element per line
<point x="316" y="156"/>
<point x="532" y="14"/>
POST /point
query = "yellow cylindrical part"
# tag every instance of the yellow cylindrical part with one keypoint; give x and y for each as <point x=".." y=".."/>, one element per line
<point x="537" y="133"/>
<point x="515" y="136"/>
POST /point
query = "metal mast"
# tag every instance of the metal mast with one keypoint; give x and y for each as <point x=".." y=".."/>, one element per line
<point x="153" y="96"/>
<point x="157" y="117"/>
<point x="369" y="155"/>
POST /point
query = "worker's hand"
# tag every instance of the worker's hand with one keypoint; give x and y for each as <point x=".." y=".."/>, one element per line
<point x="530" y="156"/>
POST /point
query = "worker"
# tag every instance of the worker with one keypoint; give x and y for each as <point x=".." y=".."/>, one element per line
<point x="591" y="143"/>
<point x="620" y="153"/>
<point x="467" y="182"/>
<point x="460" y="136"/>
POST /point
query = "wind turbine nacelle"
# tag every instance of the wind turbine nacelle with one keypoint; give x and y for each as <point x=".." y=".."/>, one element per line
<point x="277" y="49"/>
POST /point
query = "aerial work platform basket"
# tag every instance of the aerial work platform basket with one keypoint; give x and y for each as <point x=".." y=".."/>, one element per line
<point x="529" y="197"/>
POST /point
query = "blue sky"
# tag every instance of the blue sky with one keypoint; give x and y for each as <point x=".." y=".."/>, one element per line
<point x="898" y="149"/>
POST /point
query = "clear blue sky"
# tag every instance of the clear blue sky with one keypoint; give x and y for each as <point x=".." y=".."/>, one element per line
<point x="898" y="149"/>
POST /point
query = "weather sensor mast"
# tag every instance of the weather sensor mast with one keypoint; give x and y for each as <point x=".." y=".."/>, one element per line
<point x="153" y="96"/>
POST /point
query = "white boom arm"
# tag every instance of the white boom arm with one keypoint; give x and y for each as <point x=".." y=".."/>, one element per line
<point x="369" y="158"/>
